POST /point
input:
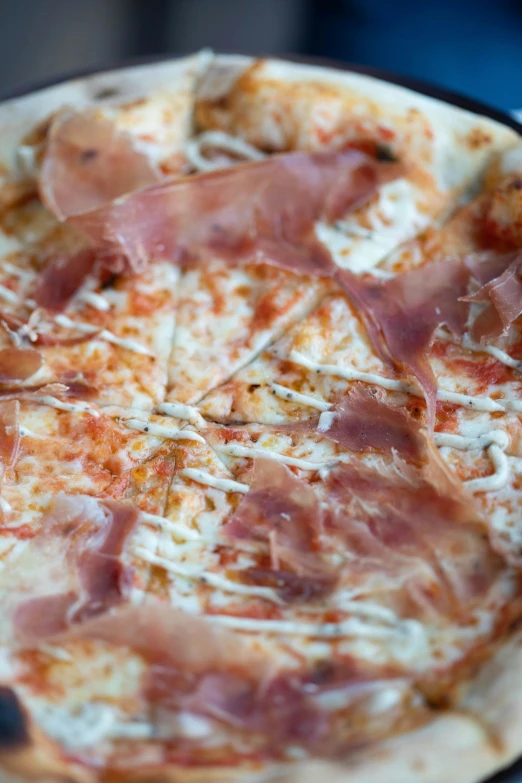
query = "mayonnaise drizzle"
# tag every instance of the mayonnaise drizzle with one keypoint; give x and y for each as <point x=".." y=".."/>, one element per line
<point x="74" y="407"/>
<point x="250" y="453"/>
<point x="201" y="477"/>
<point x="351" y="374"/>
<point x="499" y="437"/>
<point x="180" y="411"/>
<point x="103" y="334"/>
<point x="304" y="399"/>
<point x="221" y="141"/>
<point x="171" y="527"/>
<point x="160" y="430"/>
<point x="351" y="627"/>
<point x="496" y="480"/>
<point x="207" y="577"/>
<point x="492" y="350"/>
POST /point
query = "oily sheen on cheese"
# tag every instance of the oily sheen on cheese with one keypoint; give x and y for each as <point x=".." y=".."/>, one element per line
<point x="229" y="536"/>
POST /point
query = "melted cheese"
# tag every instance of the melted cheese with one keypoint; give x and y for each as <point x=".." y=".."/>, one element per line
<point x="103" y="334"/>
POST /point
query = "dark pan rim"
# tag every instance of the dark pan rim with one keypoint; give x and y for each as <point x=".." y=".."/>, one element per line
<point x="512" y="774"/>
<point x="411" y="83"/>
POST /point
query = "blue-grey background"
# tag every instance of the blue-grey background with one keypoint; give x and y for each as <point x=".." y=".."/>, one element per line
<point x="471" y="46"/>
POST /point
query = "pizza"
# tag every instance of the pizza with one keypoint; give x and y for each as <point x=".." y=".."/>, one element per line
<point x="260" y="440"/>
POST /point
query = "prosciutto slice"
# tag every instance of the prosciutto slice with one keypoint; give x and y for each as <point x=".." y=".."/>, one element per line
<point x="285" y="512"/>
<point x="254" y="212"/>
<point x="415" y="530"/>
<point x="19" y="364"/>
<point x="9" y="435"/>
<point x="88" y="162"/>
<point x="501" y="291"/>
<point x="198" y="668"/>
<point x="81" y="544"/>
<point x="402" y="314"/>
<point x="61" y="278"/>
<point x="360" y="422"/>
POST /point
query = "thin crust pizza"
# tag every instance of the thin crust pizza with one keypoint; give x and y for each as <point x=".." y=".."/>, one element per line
<point x="260" y="442"/>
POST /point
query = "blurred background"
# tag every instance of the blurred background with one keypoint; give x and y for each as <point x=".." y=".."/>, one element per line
<point x="471" y="46"/>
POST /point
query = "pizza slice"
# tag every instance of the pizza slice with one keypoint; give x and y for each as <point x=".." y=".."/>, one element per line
<point x="277" y="106"/>
<point x="116" y="331"/>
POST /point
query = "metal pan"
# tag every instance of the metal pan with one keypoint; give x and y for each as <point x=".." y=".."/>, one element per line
<point x="514" y="773"/>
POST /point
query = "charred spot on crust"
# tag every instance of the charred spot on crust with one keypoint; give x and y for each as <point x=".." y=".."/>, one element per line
<point x="14" y="731"/>
<point x="385" y="154"/>
<point x="105" y="93"/>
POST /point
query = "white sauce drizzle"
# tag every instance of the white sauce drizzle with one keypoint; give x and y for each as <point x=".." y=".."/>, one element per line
<point x="470" y="345"/>
<point x="4" y="505"/>
<point x="9" y="296"/>
<point x="499" y="437"/>
<point x="103" y="334"/>
<point x="74" y="407"/>
<point x="172" y="527"/>
<point x="161" y="430"/>
<point x="221" y="141"/>
<point x="201" y="477"/>
<point x="95" y="300"/>
<point x="180" y="411"/>
<point x="250" y="453"/>
<point x="207" y="578"/>
<point x="351" y="627"/>
<point x="496" y="480"/>
<point x="304" y="399"/>
<point x="464" y="400"/>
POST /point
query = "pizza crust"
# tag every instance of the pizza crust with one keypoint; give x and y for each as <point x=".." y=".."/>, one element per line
<point x="457" y="746"/>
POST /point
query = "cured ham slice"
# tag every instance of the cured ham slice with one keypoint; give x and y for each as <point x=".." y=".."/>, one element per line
<point x="285" y="512"/>
<point x="360" y="422"/>
<point x="198" y="668"/>
<point x="263" y="211"/>
<point x="19" y="364"/>
<point x="501" y="291"/>
<point x="9" y="434"/>
<point x="402" y="314"/>
<point x="84" y="538"/>
<point x="73" y="388"/>
<point x="417" y="529"/>
<point x="61" y="278"/>
<point x="88" y="162"/>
